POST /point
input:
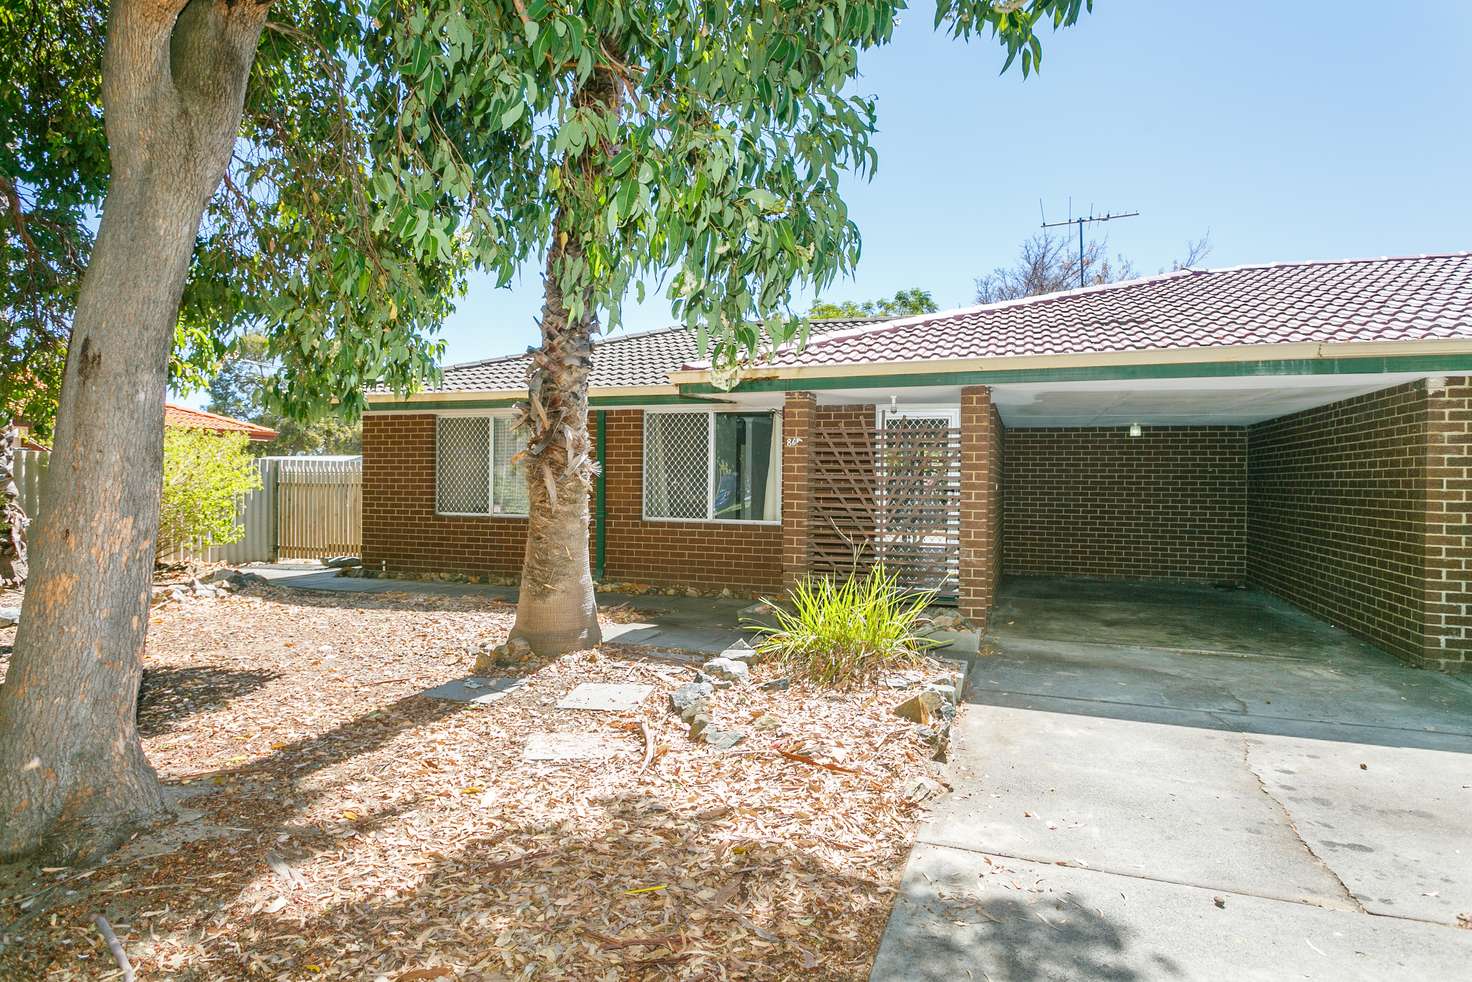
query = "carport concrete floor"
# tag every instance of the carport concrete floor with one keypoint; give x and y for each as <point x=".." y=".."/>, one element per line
<point x="1167" y="782"/>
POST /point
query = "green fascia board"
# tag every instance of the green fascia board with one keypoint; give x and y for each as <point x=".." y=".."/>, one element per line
<point x="1097" y="373"/>
<point x="604" y="402"/>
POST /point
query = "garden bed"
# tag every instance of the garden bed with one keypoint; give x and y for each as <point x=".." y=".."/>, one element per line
<point x="340" y="825"/>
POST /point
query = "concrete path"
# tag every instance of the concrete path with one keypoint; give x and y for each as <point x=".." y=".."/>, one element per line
<point x="707" y="625"/>
<point x="1138" y="799"/>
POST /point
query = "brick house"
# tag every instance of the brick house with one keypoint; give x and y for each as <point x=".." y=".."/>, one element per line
<point x="1302" y="428"/>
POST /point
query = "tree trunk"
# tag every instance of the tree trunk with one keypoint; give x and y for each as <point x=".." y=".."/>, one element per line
<point x="556" y="611"/>
<point x="13" y="520"/>
<point x="73" y="777"/>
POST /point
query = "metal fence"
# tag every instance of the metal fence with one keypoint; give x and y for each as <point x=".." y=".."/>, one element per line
<point x="306" y="508"/>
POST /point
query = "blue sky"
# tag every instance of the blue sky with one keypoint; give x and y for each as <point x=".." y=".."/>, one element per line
<point x="1288" y="130"/>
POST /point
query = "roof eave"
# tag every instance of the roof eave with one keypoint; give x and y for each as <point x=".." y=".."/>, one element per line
<point x="1281" y="351"/>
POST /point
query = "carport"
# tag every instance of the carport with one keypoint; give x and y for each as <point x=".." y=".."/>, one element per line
<point x="1341" y="494"/>
<point x="1318" y="490"/>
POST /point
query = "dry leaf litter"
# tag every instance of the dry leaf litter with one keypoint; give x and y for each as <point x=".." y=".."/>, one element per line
<point x="337" y="824"/>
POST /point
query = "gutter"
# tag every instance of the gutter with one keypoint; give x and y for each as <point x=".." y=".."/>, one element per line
<point x="1295" y="358"/>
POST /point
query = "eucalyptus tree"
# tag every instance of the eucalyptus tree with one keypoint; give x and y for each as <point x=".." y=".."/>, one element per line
<point x="702" y="144"/>
<point x="242" y="163"/>
<point x="327" y="173"/>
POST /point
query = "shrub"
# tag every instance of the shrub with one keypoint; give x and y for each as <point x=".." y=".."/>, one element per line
<point x="841" y="632"/>
<point x="204" y="474"/>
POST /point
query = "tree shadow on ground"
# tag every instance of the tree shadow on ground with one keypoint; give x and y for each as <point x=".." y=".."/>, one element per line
<point x="169" y="696"/>
<point x="632" y="889"/>
<point x="386" y="600"/>
<point x="254" y="808"/>
<point x="1050" y="936"/>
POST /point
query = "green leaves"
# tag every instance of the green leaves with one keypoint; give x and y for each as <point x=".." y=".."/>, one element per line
<point x="389" y="148"/>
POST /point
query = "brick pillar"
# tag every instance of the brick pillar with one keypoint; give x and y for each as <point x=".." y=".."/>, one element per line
<point x="798" y="417"/>
<point x="981" y="503"/>
<point x="1448" y="584"/>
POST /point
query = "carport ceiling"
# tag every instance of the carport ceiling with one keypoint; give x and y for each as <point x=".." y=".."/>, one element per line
<point x="1227" y="401"/>
<point x="1178" y="402"/>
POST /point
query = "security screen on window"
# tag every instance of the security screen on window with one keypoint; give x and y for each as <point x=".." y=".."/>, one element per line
<point x="745" y="484"/>
<point x="711" y="466"/>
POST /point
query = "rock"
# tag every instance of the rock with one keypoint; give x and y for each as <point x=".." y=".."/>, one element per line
<point x="767" y="723"/>
<point x="722" y="739"/>
<point x="248" y="579"/>
<point x="513" y="653"/>
<point x="719" y="683"/>
<point x="755" y="610"/>
<point x="698" y="725"/>
<point x="740" y="651"/>
<point x="939" y="737"/>
<point x="946" y="692"/>
<point x="776" y="685"/>
<point x="923" y="789"/>
<point x="728" y="669"/>
<point x="342" y="562"/>
<point x="946" y="621"/>
<point x="690" y="591"/>
<point x="178" y="593"/>
<point x="922" y="708"/>
<point x="9" y="616"/>
<point x="690" y="697"/>
<point x="726" y="593"/>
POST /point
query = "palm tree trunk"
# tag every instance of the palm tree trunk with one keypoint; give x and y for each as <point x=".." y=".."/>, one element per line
<point x="556" y="611"/>
<point x="73" y="777"/>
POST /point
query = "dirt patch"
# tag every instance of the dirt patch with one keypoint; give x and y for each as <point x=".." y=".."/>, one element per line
<point x="358" y="830"/>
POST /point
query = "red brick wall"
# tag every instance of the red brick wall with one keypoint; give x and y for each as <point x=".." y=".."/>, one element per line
<point x="400" y="528"/>
<point x="1169" y="504"/>
<point x="1358" y="514"/>
<point x="701" y="554"/>
<point x="799" y="413"/>
<point x="981" y="502"/>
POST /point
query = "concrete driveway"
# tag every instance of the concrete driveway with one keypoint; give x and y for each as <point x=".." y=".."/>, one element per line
<point x="1169" y="783"/>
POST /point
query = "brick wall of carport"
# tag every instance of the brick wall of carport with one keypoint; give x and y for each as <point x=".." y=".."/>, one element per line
<point x="1358" y="511"/>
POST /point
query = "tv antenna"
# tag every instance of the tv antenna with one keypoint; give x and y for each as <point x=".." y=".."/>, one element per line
<point x="1106" y="217"/>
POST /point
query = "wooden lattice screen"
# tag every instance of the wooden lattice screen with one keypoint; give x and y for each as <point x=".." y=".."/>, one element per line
<point x="890" y="495"/>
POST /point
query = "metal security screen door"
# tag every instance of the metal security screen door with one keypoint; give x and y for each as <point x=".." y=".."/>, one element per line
<point x="891" y="494"/>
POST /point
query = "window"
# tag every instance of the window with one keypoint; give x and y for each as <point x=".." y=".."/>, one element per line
<point x="712" y="466"/>
<point x="474" y="473"/>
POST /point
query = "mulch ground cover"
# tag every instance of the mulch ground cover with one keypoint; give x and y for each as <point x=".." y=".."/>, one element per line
<point x="336" y="824"/>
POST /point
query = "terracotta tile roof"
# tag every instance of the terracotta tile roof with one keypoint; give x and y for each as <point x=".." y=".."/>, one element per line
<point x="1409" y="299"/>
<point x="197" y="419"/>
<point x="621" y="359"/>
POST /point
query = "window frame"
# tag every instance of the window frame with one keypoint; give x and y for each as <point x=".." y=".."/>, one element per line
<point x="490" y="415"/>
<point x="710" y="412"/>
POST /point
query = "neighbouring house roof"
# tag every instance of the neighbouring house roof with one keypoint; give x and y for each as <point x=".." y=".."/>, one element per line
<point x="640" y="359"/>
<point x="1414" y="298"/>
<point x="197" y="419"/>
